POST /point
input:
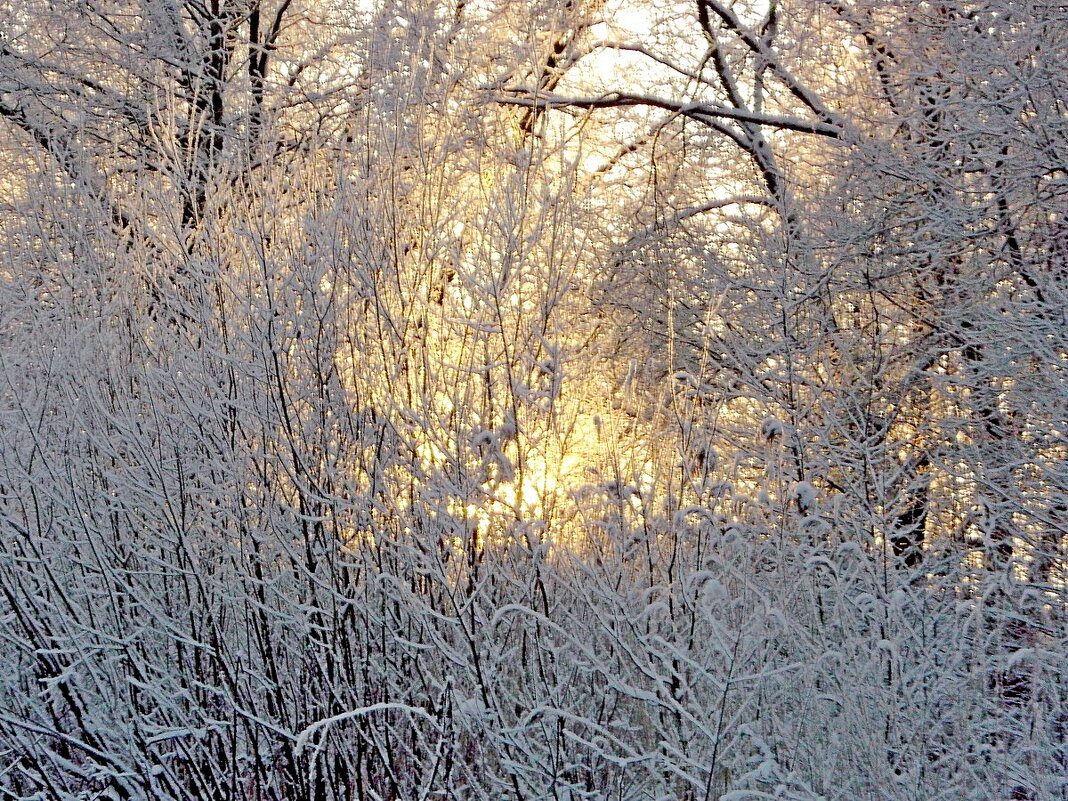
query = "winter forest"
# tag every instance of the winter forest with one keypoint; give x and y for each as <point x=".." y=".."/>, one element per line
<point x="543" y="400"/>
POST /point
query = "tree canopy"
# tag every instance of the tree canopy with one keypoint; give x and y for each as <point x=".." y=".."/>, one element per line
<point x="557" y="399"/>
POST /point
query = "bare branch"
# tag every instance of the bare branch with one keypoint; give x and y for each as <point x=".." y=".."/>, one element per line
<point x="701" y="112"/>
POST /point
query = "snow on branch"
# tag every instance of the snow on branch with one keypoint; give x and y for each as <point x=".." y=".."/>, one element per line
<point x="706" y="113"/>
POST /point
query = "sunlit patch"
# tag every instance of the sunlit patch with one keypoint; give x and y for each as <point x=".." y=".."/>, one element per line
<point x="633" y="18"/>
